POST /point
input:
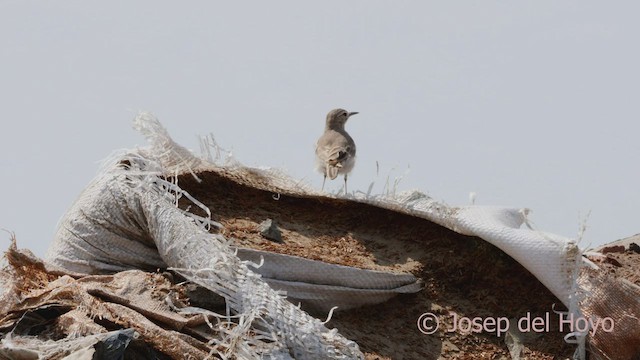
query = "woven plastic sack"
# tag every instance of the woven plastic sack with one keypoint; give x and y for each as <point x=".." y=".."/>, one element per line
<point x="127" y="218"/>
<point x="177" y="239"/>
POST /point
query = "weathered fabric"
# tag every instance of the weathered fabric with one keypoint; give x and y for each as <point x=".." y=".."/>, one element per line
<point x="127" y="218"/>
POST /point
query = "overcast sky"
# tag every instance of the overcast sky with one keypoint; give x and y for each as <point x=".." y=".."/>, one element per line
<point x="528" y="104"/>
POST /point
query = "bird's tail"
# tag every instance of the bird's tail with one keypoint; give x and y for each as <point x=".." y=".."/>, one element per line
<point x="332" y="170"/>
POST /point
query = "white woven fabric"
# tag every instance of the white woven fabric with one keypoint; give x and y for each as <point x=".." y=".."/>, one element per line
<point x="321" y="286"/>
<point x="146" y="230"/>
<point x="127" y="218"/>
<point x="551" y="258"/>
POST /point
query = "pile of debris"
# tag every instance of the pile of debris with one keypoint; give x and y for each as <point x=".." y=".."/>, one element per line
<point x="167" y="255"/>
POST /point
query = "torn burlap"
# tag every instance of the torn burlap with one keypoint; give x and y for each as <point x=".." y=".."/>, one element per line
<point x="618" y="300"/>
<point x="49" y="314"/>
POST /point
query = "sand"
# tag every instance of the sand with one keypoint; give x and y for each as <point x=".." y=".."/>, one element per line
<point x="463" y="275"/>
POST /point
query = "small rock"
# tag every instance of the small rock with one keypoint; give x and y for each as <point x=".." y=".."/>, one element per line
<point x="612" y="249"/>
<point x="634" y="247"/>
<point x="269" y="230"/>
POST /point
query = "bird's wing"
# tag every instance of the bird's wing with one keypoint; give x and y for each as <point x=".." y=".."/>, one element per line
<point x="334" y="160"/>
<point x="334" y="154"/>
<point x="333" y="150"/>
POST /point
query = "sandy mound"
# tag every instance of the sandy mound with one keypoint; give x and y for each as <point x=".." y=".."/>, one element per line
<point x="463" y="275"/>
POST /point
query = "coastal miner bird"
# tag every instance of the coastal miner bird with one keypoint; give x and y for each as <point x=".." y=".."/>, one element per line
<point x="335" y="149"/>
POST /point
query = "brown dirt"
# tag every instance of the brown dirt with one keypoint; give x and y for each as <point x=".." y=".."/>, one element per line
<point x="623" y="264"/>
<point x="463" y="275"/>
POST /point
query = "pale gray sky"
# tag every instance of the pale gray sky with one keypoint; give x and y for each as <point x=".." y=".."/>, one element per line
<point x="528" y="104"/>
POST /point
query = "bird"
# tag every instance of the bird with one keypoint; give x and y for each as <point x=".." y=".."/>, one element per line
<point x="335" y="149"/>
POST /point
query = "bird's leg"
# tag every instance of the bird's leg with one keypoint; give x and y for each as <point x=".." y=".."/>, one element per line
<point x="345" y="184"/>
<point x="323" y="180"/>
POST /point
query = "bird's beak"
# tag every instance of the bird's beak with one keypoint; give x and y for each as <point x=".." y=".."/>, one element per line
<point x="351" y="113"/>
